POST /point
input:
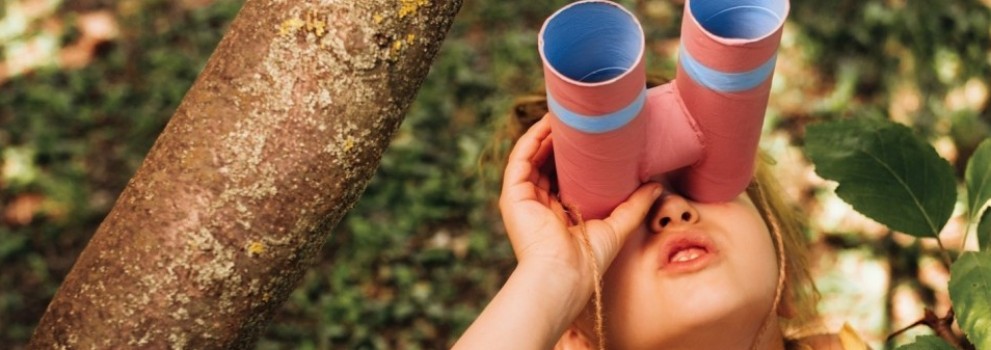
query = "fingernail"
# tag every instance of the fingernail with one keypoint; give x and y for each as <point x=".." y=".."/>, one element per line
<point x="657" y="191"/>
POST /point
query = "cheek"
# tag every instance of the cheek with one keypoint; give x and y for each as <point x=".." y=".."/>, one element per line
<point x="764" y="268"/>
<point x="633" y="303"/>
<point x="624" y="278"/>
<point x="756" y="260"/>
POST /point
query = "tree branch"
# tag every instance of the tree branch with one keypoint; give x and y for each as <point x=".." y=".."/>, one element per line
<point x="942" y="326"/>
<point x="269" y="149"/>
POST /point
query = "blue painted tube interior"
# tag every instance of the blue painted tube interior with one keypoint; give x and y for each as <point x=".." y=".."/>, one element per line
<point x="739" y="19"/>
<point x="592" y="42"/>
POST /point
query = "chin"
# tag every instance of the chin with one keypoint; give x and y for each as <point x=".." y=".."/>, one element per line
<point x="704" y="328"/>
<point x="716" y="316"/>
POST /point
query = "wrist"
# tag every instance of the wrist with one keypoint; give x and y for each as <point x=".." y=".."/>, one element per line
<point x="532" y="310"/>
<point x="564" y="289"/>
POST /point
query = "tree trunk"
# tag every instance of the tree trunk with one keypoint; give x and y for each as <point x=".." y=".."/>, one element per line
<point x="271" y="146"/>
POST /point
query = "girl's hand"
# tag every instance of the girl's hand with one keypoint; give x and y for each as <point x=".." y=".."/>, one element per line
<point x="540" y="229"/>
<point x="553" y="281"/>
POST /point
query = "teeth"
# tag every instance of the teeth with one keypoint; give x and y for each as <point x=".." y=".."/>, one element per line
<point x="687" y="255"/>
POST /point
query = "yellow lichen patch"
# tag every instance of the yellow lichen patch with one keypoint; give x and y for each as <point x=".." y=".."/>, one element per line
<point x="290" y="26"/>
<point x="256" y="249"/>
<point x="409" y="7"/>
<point x="315" y="24"/>
<point x="409" y="38"/>
<point x="377" y="18"/>
<point x="348" y="144"/>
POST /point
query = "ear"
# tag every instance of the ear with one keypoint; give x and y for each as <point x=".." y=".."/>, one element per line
<point x="573" y="339"/>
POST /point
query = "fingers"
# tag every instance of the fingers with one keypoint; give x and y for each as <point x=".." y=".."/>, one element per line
<point x="543" y="129"/>
<point x="558" y="210"/>
<point x="630" y="214"/>
<point x="543" y="195"/>
<point x="531" y="150"/>
<point x="530" y="143"/>
<point x="522" y="179"/>
<point x="539" y="159"/>
<point x="623" y="221"/>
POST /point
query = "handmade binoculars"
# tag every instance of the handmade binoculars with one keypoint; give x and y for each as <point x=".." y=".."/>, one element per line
<point x="701" y="130"/>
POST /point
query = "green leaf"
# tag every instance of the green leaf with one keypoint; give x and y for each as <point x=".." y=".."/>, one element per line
<point x="885" y="172"/>
<point x="978" y="179"/>
<point x="927" y="342"/>
<point x="984" y="231"/>
<point x="970" y="291"/>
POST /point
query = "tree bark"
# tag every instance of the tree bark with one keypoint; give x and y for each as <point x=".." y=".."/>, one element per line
<point x="272" y="145"/>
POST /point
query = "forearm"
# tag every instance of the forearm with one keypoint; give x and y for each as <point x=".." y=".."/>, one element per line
<point x="531" y="311"/>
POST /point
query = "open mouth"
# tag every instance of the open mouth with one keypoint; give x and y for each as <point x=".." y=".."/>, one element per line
<point x="686" y="252"/>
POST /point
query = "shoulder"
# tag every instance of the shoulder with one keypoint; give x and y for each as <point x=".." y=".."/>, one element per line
<point x="845" y="339"/>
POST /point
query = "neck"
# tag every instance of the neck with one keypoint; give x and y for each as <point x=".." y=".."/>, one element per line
<point x="770" y="336"/>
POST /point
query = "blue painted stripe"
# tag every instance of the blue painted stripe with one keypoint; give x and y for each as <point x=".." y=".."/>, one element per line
<point x="723" y="81"/>
<point x="602" y="123"/>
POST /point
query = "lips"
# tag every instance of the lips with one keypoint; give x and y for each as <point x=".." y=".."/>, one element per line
<point x="684" y="252"/>
<point x="687" y="254"/>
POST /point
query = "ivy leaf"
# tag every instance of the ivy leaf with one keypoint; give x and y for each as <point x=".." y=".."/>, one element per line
<point x="984" y="231"/>
<point x="885" y="172"/>
<point x="927" y="342"/>
<point x="970" y="291"/>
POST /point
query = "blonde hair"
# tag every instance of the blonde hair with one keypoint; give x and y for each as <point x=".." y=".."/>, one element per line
<point x="791" y="244"/>
<point x="796" y="286"/>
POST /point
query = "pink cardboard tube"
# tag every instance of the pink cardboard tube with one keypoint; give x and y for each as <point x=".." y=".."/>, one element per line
<point x="725" y="67"/>
<point x="597" y="146"/>
<point x="611" y="134"/>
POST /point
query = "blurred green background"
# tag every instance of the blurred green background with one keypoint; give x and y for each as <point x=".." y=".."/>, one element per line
<point x="87" y="85"/>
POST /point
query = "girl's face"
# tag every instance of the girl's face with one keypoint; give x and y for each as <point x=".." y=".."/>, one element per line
<point x="697" y="276"/>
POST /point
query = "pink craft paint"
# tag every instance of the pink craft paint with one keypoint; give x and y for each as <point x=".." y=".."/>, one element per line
<point x="611" y="134"/>
<point x="725" y="67"/>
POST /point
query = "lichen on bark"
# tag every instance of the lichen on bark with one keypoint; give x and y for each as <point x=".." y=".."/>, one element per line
<point x="269" y="149"/>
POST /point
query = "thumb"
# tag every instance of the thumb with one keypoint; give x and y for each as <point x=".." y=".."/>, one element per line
<point x="623" y="221"/>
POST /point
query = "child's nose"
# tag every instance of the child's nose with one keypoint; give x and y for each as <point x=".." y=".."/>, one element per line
<point x="673" y="211"/>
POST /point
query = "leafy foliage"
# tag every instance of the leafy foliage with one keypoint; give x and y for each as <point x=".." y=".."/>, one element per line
<point x="970" y="290"/>
<point x="927" y="342"/>
<point x="888" y="173"/>
<point x="885" y="172"/>
<point x="939" y="36"/>
<point x="984" y="231"/>
<point x="978" y="180"/>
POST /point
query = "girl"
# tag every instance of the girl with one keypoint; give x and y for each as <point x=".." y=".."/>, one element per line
<point x="677" y="274"/>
